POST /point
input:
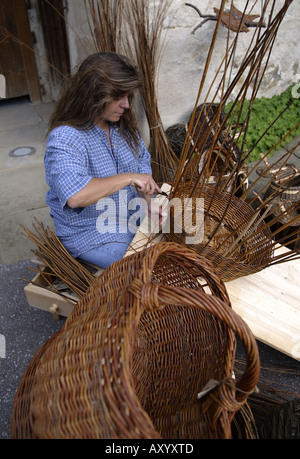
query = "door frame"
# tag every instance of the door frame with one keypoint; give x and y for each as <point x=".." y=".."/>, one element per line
<point x="17" y="49"/>
<point x="24" y="36"/>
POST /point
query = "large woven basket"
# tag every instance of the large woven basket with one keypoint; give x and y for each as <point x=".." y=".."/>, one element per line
<point x="235" y="239"/>
<point x="136" y="351"/>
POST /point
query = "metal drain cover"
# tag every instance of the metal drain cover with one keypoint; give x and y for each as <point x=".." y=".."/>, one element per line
<point x="22" y="151"/>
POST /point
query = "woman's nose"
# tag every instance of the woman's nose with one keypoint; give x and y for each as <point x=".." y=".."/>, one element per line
<point x="124" y="102"/>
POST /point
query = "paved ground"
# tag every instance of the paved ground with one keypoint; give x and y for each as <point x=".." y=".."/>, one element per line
<point x="22" y="179"/>
<point x="23" y="329"/>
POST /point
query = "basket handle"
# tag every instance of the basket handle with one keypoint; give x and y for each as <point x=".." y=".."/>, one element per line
<point x="155" y="296"/>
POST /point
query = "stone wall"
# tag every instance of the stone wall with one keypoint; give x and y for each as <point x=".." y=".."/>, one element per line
<point x="184" y="53"/>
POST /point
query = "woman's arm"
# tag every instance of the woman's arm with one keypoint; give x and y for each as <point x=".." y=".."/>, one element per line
<point x="99" y="188"/>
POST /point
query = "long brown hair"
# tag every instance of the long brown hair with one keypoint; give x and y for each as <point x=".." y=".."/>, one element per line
<point x="100" y="79"/>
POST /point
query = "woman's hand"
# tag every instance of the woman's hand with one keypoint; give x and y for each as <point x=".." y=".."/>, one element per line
<point x="158" y="213"/>
<point x="145" y="184"/>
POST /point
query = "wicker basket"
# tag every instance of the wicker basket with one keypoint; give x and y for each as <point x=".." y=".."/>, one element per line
<point x="134" y="354"/>
<point x="225" y="154"/>
<point x="235" y="239"/>
<point x="286" y="193"/>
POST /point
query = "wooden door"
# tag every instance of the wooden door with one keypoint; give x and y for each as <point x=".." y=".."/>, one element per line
<point x="17" y="62"/>
<point x="55" y="38"/>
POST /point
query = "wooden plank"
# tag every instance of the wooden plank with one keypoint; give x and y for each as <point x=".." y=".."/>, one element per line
<point x="269" y="302"/>
<point x="41" y="298"/>
<point x="27" y="52"/>
<point x="55" y="37"/>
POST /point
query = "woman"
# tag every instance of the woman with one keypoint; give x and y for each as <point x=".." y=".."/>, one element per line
<point x="97" y="166"/>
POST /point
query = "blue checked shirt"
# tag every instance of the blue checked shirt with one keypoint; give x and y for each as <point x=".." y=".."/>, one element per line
<point x="73" y="157"/>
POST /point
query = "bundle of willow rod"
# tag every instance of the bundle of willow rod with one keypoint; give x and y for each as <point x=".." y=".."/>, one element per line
<point x="105" y="23"/>
<point x="142" y="43"/>
<point x="190" y="182"/>
<point x="53" y="255"/>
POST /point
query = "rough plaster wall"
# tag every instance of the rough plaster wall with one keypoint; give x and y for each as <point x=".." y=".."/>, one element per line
<point x="184" y="53"/>
<point x="80" y="41"/>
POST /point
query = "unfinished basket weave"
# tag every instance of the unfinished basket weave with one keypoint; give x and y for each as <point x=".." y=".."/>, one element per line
<point x="235" y="239"/>
<point x="134" y="354"/>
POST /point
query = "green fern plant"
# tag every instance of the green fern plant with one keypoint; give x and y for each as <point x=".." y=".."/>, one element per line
<point x="264" y="112"/>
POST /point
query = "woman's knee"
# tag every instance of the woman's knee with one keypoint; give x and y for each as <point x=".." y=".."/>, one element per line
<point x="106" y="254"/>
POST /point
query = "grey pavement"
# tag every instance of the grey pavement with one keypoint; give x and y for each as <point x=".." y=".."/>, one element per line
<point x="23" y="126"/>
<point x="24" y="329"/>
<point x="22" y="179"/>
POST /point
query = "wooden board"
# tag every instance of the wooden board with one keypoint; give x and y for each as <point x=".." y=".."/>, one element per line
<point x="40" y="297"/>
<point x="269" y="302"/>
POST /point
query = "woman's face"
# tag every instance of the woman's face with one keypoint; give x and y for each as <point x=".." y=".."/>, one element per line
<point x="115" y="109"/>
